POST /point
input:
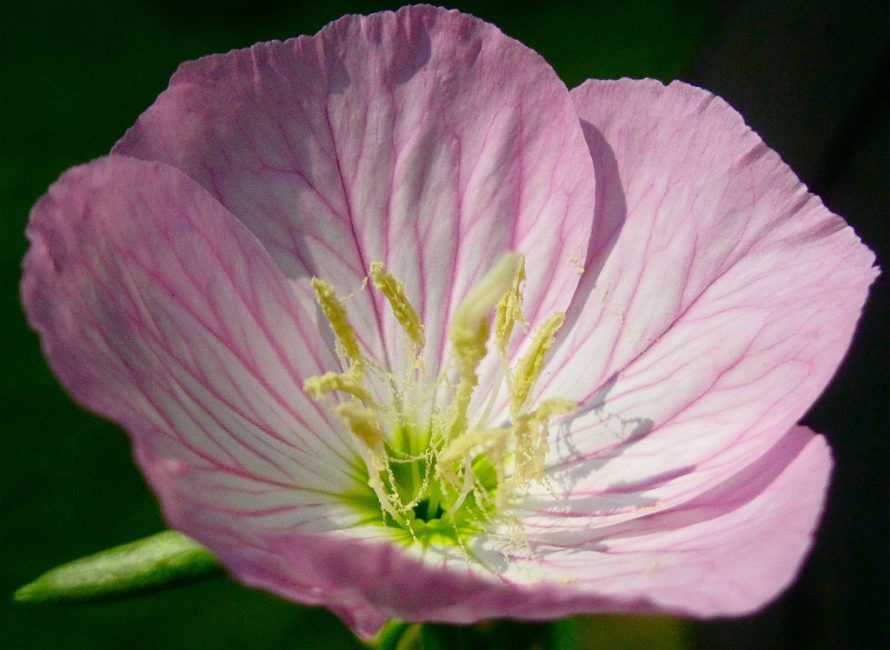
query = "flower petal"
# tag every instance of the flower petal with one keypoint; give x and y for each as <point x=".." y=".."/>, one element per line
<point x="727" y="551"/>
<point x="718" y="297"/>
<point x="423" y="138"/>
<point x="160" y="311"/>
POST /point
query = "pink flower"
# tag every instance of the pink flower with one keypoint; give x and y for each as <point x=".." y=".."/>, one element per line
<point x="622" y="440"/>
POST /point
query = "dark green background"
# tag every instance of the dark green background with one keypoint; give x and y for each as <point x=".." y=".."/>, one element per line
<point x="812" y="78"/>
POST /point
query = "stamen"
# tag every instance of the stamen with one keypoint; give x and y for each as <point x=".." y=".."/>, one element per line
<point x="480" y="440"/>
<point x="435" y="477"/>
<point x="533" y="435"/>
<point x="533" y="362"/>
<point x="336" y="314"/>
<point x="509" y="310"/>
<point x="364" y="422"/>
<point x="349" y="382"/>
<point x="460" y="455"/>
<point x="401" y="308"/>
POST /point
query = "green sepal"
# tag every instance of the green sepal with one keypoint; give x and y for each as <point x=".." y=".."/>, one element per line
<point x="149" y="564"/>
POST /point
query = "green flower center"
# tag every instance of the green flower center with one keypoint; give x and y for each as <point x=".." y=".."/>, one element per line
<point x="432" y="472"/>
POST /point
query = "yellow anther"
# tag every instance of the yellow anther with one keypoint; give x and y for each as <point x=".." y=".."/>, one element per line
<point x="336" y="313"/>
<point x="364" y="422"/>
<point x="532" y="363"/>
<point x="554" y="406"/>
<point x="509" y="310"/>
<point x="349" y="382"/>
<point x="401" y="308"/>
<point x="532" y="437"/>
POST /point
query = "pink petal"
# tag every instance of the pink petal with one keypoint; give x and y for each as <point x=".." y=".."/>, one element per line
<point x="160" y="311"/>
<point x="719" y="297"/>
<point x="727" y="552"/>
<point x="423" y="138"/>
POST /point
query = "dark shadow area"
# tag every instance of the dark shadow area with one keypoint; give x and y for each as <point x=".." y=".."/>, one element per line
<point x="813" y="79"/>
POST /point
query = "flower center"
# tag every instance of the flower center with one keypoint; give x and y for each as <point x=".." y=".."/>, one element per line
<point x="435" y="472"/>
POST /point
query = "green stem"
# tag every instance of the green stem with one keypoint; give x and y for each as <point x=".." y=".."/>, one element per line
<point x="396" y="635"/>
